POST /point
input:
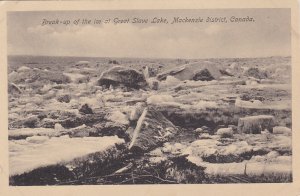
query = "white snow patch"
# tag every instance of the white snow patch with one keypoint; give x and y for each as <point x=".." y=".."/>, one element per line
<point x="207" y="143"/>
<point x="30" y="132"/>
<point x="153" y="83"/>
<point x="75" y="76"/>
<point x="156" y="152"/>
<point x="93" y="102"/>
<point x="53" y="104"/>
<point x="192" y="83"/>
<point x="225" y="132"/>
<point x="160" y="99"/>
<point x="195" y="159"/>
<point x="37" y="139"/>
<point x="282" y="130"/>
<point x="82" y="63"/>
<point x="237" y="148"/>
<point x="203" y="147"/>
<point x="224" y="169"/>
<point x="170" y="81"/>
<point x="58" y="127"/>
<point x="205" y="104"/>
<point x="250" y="168"/>
<point x="12" y="74"/>
<point x="258" y="158"/>
<point x="248" y="104"/>
<point x="155" y="160"/>
<point x="118" y="117"/>
<point x="46" y="88"/>
<point x="190" y="97"/>
<point x="23" y="68"/>
<point x="13" y="115"/>
<point x="272" y="155"/>
<point x="284" y="159"/>
<point x="251" y="82"/>
<point x="176" y="148"/>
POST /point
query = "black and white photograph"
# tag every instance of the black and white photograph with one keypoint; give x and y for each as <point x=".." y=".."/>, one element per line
<point x="149" y="97"/>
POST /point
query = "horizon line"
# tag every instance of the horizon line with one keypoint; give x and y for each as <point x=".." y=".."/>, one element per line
<point x="147" y="57"/>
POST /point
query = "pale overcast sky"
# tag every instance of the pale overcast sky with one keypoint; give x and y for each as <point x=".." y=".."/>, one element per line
<point x="269" y="35"/>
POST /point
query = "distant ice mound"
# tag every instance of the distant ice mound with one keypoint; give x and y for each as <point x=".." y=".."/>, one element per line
<point x="256" y="73"/>
<point x="122" y="76"/>
<point x="82" y="63"/>
<point x="204" y="71"/>
<point x="27" y="75"/>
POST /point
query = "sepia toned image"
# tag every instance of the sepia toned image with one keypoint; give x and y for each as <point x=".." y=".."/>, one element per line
<point x="181" y="96"/>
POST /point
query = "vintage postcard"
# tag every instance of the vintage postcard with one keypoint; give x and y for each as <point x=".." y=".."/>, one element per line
<point x="162" y="98"/>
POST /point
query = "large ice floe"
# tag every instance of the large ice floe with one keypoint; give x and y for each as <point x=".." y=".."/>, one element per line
<point x="40" y="151"/>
